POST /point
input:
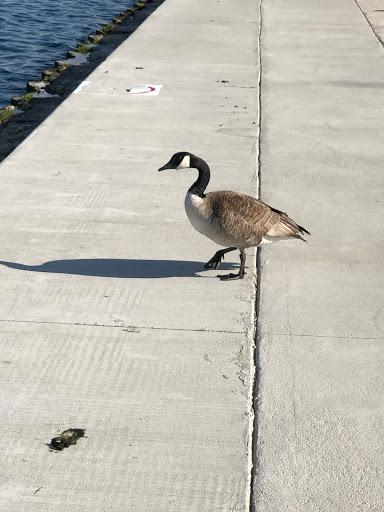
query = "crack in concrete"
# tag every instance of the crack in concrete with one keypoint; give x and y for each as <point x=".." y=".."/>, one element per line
<point x="128" y="328"/>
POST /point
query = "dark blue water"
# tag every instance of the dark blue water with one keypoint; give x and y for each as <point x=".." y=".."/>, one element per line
<point x="35" y="33"/>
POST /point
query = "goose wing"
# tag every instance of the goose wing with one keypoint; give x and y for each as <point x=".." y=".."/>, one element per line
<point x="282" y="225"/>
<point x="247" y="219"/>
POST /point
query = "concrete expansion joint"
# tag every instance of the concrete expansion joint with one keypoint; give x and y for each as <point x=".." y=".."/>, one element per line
<point x="369" y="23"/>
<point x="254" y="344"/>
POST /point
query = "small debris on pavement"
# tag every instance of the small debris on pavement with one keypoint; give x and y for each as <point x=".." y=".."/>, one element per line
<point x="67" y="438"/>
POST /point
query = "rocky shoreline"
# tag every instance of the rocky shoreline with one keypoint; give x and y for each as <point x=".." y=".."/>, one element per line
<point x="41" y="98"/>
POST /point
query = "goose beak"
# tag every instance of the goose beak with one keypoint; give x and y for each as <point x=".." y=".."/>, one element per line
<point x="165" y="167"/>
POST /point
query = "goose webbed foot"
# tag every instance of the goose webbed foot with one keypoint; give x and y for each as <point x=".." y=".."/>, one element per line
<point x="232" y="277"/>
<point x="215" y="261"/>
<point x="241" y="274"/>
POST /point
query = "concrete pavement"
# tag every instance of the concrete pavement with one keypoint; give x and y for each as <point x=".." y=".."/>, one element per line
<point x="374" y="12"/>
<point x="320" y="402"/>
<point x="107" y="321"/>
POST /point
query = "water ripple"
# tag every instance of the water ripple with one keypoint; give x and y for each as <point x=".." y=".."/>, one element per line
<point x="35" y="34"/>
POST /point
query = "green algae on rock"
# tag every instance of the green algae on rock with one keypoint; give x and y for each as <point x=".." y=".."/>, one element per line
<point x="49" y="74"/>
<point x="22" y="101"/>
<point x="108" y="29"/>
<point x="82" y="48"/>
<point x="6" y="113"/>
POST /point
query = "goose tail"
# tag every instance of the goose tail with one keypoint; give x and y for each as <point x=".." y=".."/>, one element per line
<point x="287" y="227"/>
<point x="303" y="230"/>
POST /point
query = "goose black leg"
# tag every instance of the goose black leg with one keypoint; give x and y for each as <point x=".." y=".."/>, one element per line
<point x="215" y="261"/>
<point x="241" y="274"/>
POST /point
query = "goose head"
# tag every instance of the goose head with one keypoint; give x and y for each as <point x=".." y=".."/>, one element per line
<point x="181" y="160"/>
<point x="185" y="160"/>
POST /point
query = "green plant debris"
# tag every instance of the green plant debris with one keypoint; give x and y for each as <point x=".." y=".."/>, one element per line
<point x="140" y="5"/>
<point x="67" y="438"/>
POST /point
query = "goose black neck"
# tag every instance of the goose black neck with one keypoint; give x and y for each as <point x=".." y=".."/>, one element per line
<point x="202" y="181"/>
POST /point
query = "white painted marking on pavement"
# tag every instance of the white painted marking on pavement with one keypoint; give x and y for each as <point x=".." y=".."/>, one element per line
<point x="148" y="89"/>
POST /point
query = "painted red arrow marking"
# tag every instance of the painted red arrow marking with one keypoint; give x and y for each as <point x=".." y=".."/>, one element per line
<point x="150" y="89"/>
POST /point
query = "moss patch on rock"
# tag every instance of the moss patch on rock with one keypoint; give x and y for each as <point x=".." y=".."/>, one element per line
<point x="108" y="29"/>
<point x="82" y="48"/>
<point x="49" y="74"/>
<point x="24" y="99"/>
<point x="6" y="113"/>
<point x="22" y="102"/>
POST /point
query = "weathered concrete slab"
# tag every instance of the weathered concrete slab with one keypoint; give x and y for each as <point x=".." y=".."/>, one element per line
<point x="135" y="393"/>
<point x="321" y="324"/>
<point x="106" y="321"/>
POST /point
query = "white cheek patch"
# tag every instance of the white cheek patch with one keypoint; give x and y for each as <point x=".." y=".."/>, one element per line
<point x="185" y="163"/>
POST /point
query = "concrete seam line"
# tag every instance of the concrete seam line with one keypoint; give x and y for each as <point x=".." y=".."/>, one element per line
<point x="369" y="23"/>
<point x="253" y="342"/>
<point x="303" y="335"/>
<point x="84" y="324"/>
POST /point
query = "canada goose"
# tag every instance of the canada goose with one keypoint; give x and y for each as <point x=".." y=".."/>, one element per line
<point x="233" y="220"/>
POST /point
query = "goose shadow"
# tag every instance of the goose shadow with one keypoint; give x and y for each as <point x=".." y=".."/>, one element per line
<point x="119" y="268"/>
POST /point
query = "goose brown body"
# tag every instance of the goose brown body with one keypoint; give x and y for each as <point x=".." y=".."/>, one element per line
<point x="237" y="220"/>
<point x="231" y="219"/>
